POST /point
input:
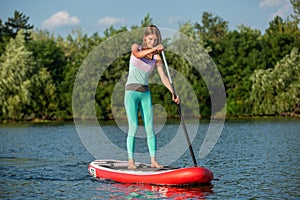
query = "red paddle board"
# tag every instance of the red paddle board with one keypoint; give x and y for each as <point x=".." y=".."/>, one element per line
<point x="117" y="171"/>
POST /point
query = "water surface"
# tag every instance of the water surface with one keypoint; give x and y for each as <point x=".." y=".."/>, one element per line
<point x="253" y="159"/>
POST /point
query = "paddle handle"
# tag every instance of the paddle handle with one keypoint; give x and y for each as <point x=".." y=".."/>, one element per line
<point x="168" y="72"/>
<point x="179" y="112"/>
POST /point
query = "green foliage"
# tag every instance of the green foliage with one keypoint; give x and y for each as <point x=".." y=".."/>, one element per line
<point x="44" y="104"/>
<point x="277" y="91"/>
<point x="213" y="28"/>
<point x="11" y="27"/>
<point x="240" y="57"/>
<point x="280" y="38"/>
<point x="76" y="47"/>
<point x="26" y="90"/>
<point x="48" y="54"/>
<point x="17" y="22"/>
<point x="260" y="71"/>
<point x="17" y="66"/>
<point x="296" y="7"/>
<point x="147" y="21"/>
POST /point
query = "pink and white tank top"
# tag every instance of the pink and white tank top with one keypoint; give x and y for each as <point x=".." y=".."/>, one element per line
<point x="140" y="70"/>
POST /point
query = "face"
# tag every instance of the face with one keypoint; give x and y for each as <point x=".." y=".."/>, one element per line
<point x="151" y="40"/>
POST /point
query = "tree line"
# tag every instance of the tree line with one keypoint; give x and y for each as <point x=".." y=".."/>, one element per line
<point x="260" y="71"/>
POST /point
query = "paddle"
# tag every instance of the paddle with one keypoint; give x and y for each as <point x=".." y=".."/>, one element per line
<point x="179" y="112"/>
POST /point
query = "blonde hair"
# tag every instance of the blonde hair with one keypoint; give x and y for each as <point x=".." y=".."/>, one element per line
<point x="152" y="29"/>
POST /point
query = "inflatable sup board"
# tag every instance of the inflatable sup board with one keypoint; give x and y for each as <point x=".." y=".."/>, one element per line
<point x="118" y="171"/>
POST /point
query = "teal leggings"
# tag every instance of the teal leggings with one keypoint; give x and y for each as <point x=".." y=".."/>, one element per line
<point x="133" y="101"/>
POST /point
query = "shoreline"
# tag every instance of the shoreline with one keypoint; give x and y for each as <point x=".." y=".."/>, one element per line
<point x="170" y="120"/>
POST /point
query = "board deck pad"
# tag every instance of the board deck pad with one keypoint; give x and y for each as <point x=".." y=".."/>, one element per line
<point x="123" y="165"/>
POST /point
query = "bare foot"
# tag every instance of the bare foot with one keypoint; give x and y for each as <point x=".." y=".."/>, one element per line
<point x="155" y="164"/>
<point x="131" y="164"/>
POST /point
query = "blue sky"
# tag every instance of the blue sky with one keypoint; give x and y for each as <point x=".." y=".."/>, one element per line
<point x="61" y="16"/>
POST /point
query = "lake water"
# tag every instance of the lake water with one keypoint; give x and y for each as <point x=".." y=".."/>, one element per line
<point x="253" y="159"/>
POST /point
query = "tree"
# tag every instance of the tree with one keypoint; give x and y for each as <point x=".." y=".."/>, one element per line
<point x="279" y="40"/>
<point x="16" y="68"/>
<point x="296" y="6"/>
<point x="112" y="31"/>
<point x="17" y="22"/>
<point x="76" y="47"/>
<point x="239" y="58"/>
<point x="277" y="91"/>
<point x="26" y="89"/>
<point x="188" y="30"/>
<point x="211" y="31"/>
<point x="44" y="94"/>
<point x="11" y="27"/>
<point x="147" y="21"/>
<point x="4" y="38"/>
<point x="48" y="54"/>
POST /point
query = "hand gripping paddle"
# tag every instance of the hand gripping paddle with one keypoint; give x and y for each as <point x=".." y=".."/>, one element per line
<point x="179" y="111"/>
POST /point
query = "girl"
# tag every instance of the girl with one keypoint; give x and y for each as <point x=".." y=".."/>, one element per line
<point x="137" y="94"/>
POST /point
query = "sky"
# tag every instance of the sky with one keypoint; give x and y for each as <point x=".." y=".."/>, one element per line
<point x="62" y="16"/>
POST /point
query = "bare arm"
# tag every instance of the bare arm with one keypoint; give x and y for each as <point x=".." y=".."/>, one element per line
<point x="165" y="79"/>
<point x="142" y="53"/>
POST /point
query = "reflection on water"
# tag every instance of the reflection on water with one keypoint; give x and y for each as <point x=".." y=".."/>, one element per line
<point x="141" y="191"/>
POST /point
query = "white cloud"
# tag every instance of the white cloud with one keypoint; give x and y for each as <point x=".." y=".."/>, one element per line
<point x="283" y="11"/>
<point x="271" y="3"/>
<point x="283" y="7"/>
<point x="60" y="19"/>
<point x="174" y="20"/>
<point x="108" y="21"/>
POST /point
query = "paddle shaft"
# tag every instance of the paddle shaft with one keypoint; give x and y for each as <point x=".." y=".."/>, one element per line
<point x="179" y="112"/>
